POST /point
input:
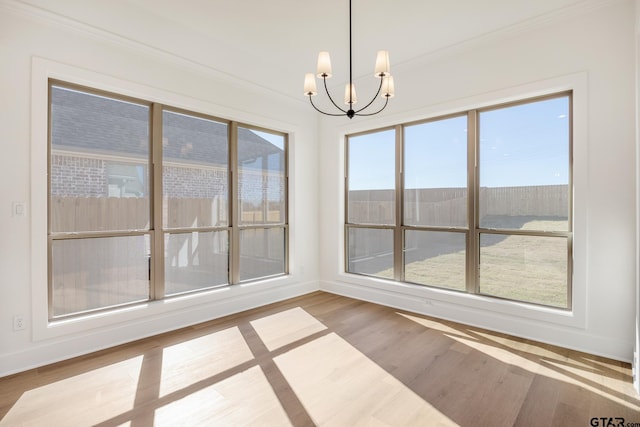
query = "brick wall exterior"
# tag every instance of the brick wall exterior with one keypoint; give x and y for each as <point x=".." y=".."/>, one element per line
<point x="75" y="176"/>
<point x="253" y="186"/>
<point x="78" y="177"/>
<point x="194" y="182"/>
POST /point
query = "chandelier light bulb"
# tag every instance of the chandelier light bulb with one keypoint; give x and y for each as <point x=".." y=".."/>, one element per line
<point x="310" y="88"/>
<point x="324" y="65"/>
<point x="350" y="95"/>
<point x="388" y="90"/>
<point x="382" y="64"/>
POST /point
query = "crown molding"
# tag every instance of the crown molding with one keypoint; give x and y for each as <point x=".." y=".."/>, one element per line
<point x="42" y="15"/>
<point x="527" y="25"/>
<point x="101" y="35"/>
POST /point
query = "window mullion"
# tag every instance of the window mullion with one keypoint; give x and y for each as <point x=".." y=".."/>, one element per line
<point x="286" y="204"/>
<point x="473" y="256"/>
<point x="233" y="194"/>
<point x="345" y="180"/>
<point x="157" y="288"/>
<point x="398" y="238"/>
<point x="570" y="212"/>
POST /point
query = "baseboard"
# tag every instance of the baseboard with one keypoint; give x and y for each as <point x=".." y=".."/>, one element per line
<point x="45" y="352"/>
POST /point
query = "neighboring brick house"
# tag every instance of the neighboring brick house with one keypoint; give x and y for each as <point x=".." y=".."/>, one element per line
<point x="100" y="148"/>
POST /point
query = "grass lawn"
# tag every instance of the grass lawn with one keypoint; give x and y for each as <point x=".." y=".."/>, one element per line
<point x="524" y="268"/>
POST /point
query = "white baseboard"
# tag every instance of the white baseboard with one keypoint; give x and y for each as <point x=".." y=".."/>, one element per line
<point x="54" y="350"/>
<point x="51" y="351"/>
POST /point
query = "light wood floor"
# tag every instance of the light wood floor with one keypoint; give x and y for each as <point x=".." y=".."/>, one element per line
<point x="323" y="359"/>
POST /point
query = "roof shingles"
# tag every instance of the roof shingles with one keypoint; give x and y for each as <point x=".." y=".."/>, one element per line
<point x="92" y="123"/>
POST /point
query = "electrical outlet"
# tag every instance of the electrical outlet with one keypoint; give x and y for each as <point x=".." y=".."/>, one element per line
<point x="18" y="323"/>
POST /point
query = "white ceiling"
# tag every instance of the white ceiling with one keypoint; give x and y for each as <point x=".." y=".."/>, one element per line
<point x="272" y="43"/>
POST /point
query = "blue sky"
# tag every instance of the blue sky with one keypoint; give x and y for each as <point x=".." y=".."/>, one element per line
<point x="520" y="145"/>
<point x="276" y="160"/>
<point x="275" y="139"/>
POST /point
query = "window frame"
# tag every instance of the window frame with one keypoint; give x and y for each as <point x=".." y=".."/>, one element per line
<point x="235" y="205"/>
<point x="156" y="230"/>
<point x="473" y="231"/>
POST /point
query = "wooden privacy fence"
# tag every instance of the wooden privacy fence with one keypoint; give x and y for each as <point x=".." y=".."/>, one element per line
<point x="115" y="213"/>
<point x="195" y="212"/>
<point x="448" y="206"/>
<point x="535" y="200"/>
<point x="98" y="213"/>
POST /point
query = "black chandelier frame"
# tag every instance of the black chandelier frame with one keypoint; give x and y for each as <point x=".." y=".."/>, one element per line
<point x="350" y="113"/>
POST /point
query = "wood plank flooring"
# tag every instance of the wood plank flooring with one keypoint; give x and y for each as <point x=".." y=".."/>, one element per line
<point x="326" y="360"/>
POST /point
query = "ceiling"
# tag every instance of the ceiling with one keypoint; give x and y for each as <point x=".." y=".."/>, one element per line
<point x="273" y="43"/>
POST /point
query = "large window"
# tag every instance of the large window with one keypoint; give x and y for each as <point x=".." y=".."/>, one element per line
<point x="477" y="202"/>
<point x="261" y="203"/>
<point x="147" y="201"/>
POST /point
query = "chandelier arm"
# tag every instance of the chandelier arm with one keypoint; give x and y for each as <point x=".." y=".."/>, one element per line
<point x="386" y="101"/>
<point x="374" y="97"/>
<point x="331" y="99"/>
<point x="322" y="112"/>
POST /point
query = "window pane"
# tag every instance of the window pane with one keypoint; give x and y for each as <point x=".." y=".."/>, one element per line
<point x="524" y="165"/>
<point x="370" y="252"/>
<point x="262" y="253"/>
<point x="524" y="268"/>
<point x="99" y="177"/>
<point x="435" y="173"/>
<point x="89" y="274"/>
<point x="372" y="178"/>
<point x="195" y="178"/>
<point x="435" y="258"/>
<point x="262" y="177"/>
<point x="195" y="261"/>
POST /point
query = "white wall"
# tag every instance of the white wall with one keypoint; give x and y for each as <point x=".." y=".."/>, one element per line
<point x="34" y="47"/>
<point x="592" y="51"/>
<point x="636" y="350"/>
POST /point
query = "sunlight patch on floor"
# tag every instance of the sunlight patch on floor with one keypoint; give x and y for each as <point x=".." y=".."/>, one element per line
<point x="195" y="360"/>
<point x="95" y="396"/>
<point x="558" y="368"/>
<point x="595" y="381"/>
<point x="243" y="399"/>
<point x="538" y="359"/>
<point x="431" y="324"/>
<point x="286" y="327"/>
<point x="339" y="386"/>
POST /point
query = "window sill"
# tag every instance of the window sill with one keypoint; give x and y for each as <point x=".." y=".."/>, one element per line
<point x="434" y="301"/>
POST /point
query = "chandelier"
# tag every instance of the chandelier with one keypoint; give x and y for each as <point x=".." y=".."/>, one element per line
<point x="385" y="89"/>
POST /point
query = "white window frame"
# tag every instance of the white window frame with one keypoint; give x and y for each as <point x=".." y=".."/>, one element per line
<point x="41" y="327"/>
<point x="467" y="307"/>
